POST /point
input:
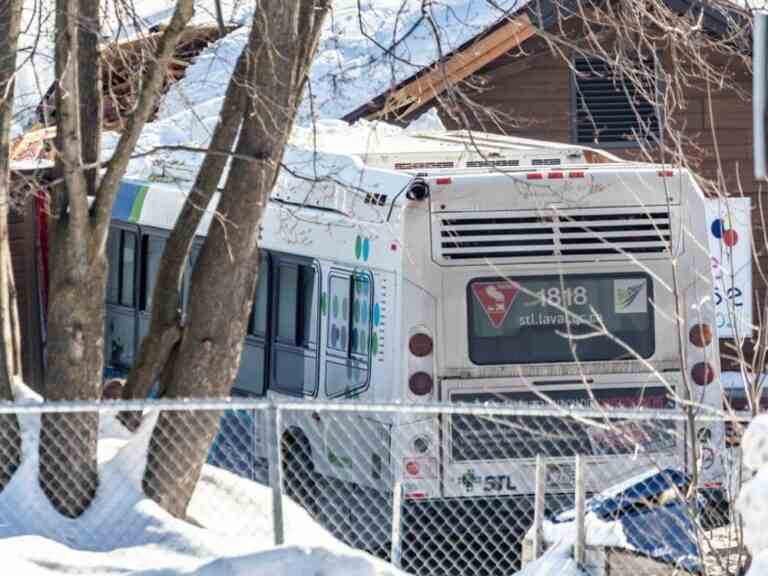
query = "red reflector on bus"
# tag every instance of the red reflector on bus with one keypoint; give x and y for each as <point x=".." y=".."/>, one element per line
<point x="555" y="175"/>
<point x="420" y="384"/>
<point x="702" y="373"/>
<point x="535" y="176"/>
<point x="666" y="173"/>
<point x="701" y="335"/>
<point x="442" y="181"/>
<point x="416" y="495"/>
<point x="575" y="174"/>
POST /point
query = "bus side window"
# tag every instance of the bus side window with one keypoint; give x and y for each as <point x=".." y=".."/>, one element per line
<point x="152" y="252"/>
<point x="128" y="269"/>
<point x="347" y="369"/>
<point x="121" y="293"/>
<point x="113" y="258"/>
<point x="295" y="340"/>
<point x="251" y="375"/>
<point x="194" y="253"/>
<point x="121" y="252"/>
<point x="257" y="323"/>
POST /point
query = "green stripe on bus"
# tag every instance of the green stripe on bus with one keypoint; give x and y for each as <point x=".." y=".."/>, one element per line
<point x="138" y="204"/>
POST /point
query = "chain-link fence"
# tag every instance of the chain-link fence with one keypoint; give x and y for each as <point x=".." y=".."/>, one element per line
<point x="436" y="489"/>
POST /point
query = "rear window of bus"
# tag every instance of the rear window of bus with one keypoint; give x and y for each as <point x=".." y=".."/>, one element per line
<point x="544" y="319"/>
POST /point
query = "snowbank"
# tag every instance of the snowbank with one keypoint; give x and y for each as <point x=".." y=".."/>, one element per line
<point x="558" y="560"/>
<point x="752" y="502"/>
<point x="123" y="532"/>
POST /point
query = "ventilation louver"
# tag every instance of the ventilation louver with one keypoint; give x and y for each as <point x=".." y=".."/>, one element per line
<point x="560" y="235"/>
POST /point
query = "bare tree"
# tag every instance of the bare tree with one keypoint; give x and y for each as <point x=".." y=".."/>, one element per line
<point x="200" y="358"/>
<point x="78" y="232"/>
<point x="10" y="357"/>
<point x="275" y="66"/>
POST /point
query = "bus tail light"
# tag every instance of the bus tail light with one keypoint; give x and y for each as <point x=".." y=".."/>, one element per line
<point x="700" y="335"/>
<point x="420" y="345"/>
<point x="420" y="384"/>
<point x="702" y="373"/>
<point x="423" y="468"/>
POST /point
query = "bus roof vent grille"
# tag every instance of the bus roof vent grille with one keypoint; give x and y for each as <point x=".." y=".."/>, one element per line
<point x="546" y="162"/>
<point x="553" y="235"/>
<point x="502" y="163"/>
<point x="423" y="165"/>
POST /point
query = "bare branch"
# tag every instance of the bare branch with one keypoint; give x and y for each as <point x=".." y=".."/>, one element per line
<point x="150" y="93"/>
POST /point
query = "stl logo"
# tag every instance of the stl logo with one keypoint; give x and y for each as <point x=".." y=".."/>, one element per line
<point x="470" y="479"/>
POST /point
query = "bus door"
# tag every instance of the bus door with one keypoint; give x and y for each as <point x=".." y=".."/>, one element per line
<point x="294" y="346"/>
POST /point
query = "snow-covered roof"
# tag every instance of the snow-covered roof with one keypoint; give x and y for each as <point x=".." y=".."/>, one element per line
<point x="366" y="47"/>
<point x="352" y="66"/>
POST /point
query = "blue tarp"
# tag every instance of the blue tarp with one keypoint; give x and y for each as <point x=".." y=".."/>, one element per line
<point x="654" y="517"/>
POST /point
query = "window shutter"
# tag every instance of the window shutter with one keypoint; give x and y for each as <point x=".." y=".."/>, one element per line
<point x="609" y="107"/>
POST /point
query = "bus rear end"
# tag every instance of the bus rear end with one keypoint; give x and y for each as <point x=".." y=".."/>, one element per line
<point x="588" y="287"/>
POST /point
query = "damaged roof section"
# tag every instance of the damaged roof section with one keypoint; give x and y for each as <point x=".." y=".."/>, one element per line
<point x="123" y="64"/>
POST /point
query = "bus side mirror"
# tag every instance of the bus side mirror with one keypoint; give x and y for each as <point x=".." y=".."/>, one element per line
<point x="760" y="92"/>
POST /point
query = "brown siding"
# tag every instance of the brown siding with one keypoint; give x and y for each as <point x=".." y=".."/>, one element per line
<point x="22" y="236"/>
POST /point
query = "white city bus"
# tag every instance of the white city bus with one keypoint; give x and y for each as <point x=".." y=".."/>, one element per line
<point x="450" y="267"/>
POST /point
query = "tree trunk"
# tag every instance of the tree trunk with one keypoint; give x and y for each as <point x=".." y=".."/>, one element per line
<point x="68" y="474"/>
<point x="91" y="107"/>
<point x="68" y="471"/>
<point x="165" y="325"/>
<point x="10" y="365"/>
<point x="280" y="50"/>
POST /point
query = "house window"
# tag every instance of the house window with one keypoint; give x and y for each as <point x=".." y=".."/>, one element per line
<point x="610" y="108"/>
<point x="349" y="333"/>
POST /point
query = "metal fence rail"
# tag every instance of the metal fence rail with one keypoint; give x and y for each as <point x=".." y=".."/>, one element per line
<point x="436" y="489"/>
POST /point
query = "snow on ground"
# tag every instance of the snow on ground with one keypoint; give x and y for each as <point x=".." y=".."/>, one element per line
<point x="123" y="532"/>
<point x="752" y="503"/>
<point x="557" y="561"/>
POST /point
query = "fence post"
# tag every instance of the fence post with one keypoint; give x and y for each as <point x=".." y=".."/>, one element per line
<point x="275" y="463"/>
<point x="396" y="553"/>
<point x="538" y="506"/>
<point x="580" y="505"/>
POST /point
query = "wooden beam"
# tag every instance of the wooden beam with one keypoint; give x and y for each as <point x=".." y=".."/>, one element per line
<point x="445" y="74"/>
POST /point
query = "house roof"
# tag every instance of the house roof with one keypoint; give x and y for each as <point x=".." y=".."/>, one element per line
<point x="122" y="66"/>
<point x="507" y="34"/>
<point x="123" y="63"/>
